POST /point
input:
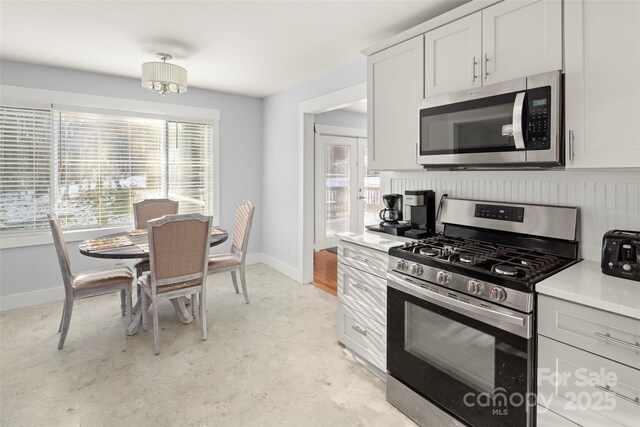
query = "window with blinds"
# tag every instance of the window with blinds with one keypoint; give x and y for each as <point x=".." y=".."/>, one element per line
<point x="25" y="168"/>
<point x="90" y="168"/>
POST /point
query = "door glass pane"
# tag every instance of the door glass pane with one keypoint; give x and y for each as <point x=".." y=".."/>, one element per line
<point x="458" y="350"/>
<point x="337" y="177"/>
<point x="371" y="193"/>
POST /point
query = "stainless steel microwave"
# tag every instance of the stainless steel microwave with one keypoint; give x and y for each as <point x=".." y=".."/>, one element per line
<point x="505" y="125"/>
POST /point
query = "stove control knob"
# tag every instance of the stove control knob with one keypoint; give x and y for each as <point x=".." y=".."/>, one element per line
<point x="442" y="277"/>
<point x="627" y="267"/>
<point x="474" y="287"/>
<point x="401" y="265"/>
<point x="416" y="269"/>
<point x="498" y="294"/>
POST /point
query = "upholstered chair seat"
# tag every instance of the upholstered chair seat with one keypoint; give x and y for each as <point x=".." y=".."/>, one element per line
<point x="145" y="281"/>
<point x="224" y="261"/>
<point x="100" y="277"/>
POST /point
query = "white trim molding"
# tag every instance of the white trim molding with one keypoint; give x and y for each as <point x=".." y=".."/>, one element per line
<point x="330" y="130"/>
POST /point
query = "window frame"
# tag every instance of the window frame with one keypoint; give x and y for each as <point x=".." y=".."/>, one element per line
<point x="22" y="97"/>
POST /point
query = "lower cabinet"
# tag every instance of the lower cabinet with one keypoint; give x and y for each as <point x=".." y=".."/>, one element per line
<point x="362" y="304"/>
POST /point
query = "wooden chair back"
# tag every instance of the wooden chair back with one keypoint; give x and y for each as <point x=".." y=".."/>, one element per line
<point x="149" y="209"/>
<point x="179" y="248"/>
<point x="242" y="228"/>
<point x="61" y="250"/>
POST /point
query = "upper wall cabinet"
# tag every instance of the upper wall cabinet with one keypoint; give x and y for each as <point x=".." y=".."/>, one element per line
<point x="602" y="84"/>
<point x="395" y="85"/>
<point x="452" y="56"/>
<point x="521" y="38"/>
<point x="509" y="40"/>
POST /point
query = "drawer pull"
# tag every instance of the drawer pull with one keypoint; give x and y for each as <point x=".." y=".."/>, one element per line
<point x="359" y="258"/>
<point x="359" y="286"/>
<point x="606" y="336"/>
<point x="359" y="330"/>
<point x="621" y="396"/>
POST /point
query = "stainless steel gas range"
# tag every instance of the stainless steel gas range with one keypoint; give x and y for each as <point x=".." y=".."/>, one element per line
<point x="461" y="311"/>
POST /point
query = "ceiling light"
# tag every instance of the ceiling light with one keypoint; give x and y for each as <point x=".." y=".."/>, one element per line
<point x="163" y="77"/>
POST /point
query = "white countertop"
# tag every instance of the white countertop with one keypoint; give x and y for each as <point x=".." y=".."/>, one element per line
<point x="585" y="284"/>
<point x="374" y="240"/>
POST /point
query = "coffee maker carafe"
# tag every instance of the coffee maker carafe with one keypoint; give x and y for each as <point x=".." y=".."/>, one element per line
<point x="393" y="211"/>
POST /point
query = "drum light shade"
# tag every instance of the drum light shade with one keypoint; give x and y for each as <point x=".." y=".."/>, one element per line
<point x="163" y="77"/>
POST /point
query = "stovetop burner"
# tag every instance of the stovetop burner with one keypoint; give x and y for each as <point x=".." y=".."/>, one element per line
<point x="466" y="258"/>
<point x="506" y="270"/>
<point x="428" y="251"/>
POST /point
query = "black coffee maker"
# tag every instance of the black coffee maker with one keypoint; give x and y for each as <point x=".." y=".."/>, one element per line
<point x="392" y="214"/>
<point x="422" y="206"/>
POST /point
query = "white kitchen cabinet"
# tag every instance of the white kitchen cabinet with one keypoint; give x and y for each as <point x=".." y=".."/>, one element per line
<point x="602" y="83"/>
<point x="395" y="85"/>
<point x="521" y="38"/>
<point x="452" y="56"/>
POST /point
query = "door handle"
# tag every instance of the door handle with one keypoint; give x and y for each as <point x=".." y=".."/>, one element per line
<point x="607" y="389"/>
<point x="606" y="336"/>
<point x="359" y="330"/>
<point x="359" y="286"/>
<point x="518" y="107"/>
<point x="486" y="66"/>
<point x="571" y="137"/>
<point x="473" y="69"/>
<point x="361" y="197"/>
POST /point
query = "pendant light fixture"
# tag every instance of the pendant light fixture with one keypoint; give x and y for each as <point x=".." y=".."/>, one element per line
<point x="163" y="77"/>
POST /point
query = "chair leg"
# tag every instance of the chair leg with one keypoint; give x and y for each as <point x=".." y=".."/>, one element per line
<point x="129" y="303"/>
<point x="203" y="316"/>
<point x="64" y="309"/>
<point x="194" y="304"/>
<point x="156" y="331"/>
<point x="123" y="305"/>
<point x="68" y="309"/>
<point x="234" y="279"/>
<point x="143" y="307"/>
<point x="243" y="282"/>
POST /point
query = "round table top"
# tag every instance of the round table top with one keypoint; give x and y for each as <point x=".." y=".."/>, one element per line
<point x="134" y="251"/>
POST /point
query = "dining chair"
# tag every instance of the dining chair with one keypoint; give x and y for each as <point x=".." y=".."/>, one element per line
<point x="178" y="254"/>
<point x="235" y="260"/>
<point x="145" y="211"/>
<point x="88" y="283"/>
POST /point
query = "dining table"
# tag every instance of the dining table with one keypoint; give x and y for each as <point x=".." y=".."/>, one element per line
<point x="134" y="245"/>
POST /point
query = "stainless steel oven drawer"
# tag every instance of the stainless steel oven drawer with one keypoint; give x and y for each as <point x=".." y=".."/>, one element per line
<point x="363" y="258"/>
<point x="363" y="335"/>
<point x="610" y="335"/>
<point x="586" y="388"/>
<point x="363" y="292"/>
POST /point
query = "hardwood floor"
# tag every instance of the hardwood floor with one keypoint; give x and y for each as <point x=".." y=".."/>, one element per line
<point x="325" y="271"/>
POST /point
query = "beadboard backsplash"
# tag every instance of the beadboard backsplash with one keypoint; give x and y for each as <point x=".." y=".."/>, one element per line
<point x="607" y="199"/>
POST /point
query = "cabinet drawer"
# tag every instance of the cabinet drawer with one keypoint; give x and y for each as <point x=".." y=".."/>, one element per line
<point x="363" y="292"/>
<point x="607" y="334"/>
<point x="586" y="388"/>
<point x="548" y="418"/>
<point x="363" y="335"/>
<point x="362" y="258"/>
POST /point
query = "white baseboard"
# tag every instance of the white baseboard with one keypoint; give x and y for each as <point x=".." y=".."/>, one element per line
<point x="26" y="299"/>
<point x="284" y="268"/>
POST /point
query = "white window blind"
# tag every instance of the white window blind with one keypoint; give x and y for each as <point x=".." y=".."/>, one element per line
<point x="104" y="164"/>
<point x="25" y="168"/>
<point x="189" y="174"/>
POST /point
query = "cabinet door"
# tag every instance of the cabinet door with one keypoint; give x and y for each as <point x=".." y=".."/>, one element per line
<point x="521" y="38"/>
<point x="452" y="56"/>
<point x="395" y="85"/>
<point x="602" y="84"/>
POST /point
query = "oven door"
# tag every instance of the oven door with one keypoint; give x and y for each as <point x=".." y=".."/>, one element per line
<point x="474" y="362"/>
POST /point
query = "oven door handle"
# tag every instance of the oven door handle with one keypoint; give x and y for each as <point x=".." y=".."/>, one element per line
<point x="461" y="307"/>
<point x="518" y="108"/>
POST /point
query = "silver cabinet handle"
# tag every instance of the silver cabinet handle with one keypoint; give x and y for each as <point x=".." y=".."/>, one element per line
<point x="473" y="68"/>
<point x="621" y="396"/>
<point x="359" y="330"/>
<point x="359" y="258"/>
<point x="571" y="138"/>
<point x="606" y="336"/>
<point x="518" y="107"/>
<point x="359" y="286"/>
<point x="486" y="66"/>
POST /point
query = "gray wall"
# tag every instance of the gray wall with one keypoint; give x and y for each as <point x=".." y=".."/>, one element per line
<point x="34" y="268"/>
<point x="342" y="118"/>
<point x="280" y="165"/>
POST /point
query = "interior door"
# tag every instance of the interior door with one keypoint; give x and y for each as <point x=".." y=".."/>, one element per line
<point x="337" y="204"/>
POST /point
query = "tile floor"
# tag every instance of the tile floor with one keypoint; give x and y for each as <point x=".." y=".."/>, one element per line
<point x="274" y="362"/>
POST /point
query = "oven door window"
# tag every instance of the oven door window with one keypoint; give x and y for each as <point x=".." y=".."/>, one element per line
<point x="470" y="368"/>
<point x="478" y="126"/>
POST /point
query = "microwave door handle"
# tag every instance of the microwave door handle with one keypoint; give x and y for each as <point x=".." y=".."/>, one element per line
<point x="518" y="108"/>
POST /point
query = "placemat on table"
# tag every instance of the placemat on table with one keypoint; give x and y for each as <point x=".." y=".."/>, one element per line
<point x="107" y="243"/>
<point x="144" y="247"/>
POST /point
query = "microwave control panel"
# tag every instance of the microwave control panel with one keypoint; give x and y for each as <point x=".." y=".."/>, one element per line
<point x="538" y="132"/>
